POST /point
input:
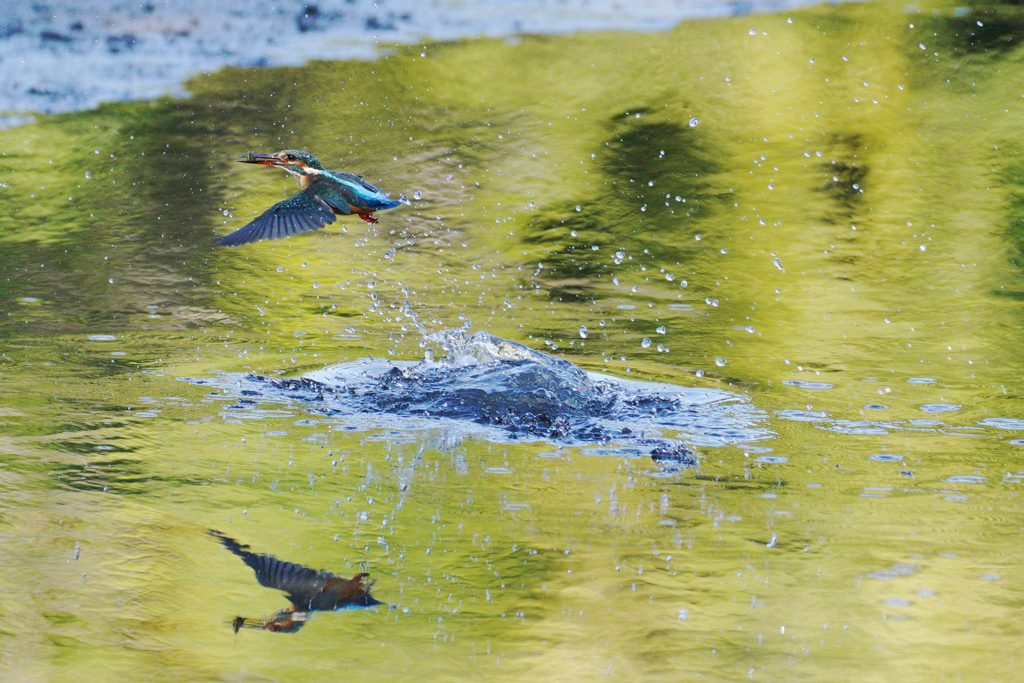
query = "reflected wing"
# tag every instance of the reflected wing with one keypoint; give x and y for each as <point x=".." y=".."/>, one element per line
<point x="301" y="584"/>
<point x="298" y="214"/>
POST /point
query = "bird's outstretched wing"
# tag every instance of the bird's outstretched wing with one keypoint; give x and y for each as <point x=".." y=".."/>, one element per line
<point x="300" y="213"/>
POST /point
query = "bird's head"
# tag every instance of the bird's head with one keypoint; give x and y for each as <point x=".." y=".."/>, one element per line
<point x="292" y="160"/>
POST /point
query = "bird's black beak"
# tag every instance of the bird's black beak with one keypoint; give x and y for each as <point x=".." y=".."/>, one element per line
<point x="258" y="158"/>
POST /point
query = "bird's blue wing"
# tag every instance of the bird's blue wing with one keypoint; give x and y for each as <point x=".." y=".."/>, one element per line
<point x="298" y="214"/>
<point x="352" y="189"/>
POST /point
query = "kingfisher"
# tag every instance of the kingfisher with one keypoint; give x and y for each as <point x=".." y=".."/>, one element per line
<point x="324" y="193"/>
<point x="308" y="590"/>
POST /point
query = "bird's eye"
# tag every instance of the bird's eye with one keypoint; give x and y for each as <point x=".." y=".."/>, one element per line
<point x="290" y="157"/>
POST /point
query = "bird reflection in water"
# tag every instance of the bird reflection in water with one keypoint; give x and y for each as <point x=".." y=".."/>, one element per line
<point x="308" y="590"/>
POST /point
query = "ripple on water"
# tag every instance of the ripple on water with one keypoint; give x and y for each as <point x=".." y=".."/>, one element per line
<point x="803" y="415"/>
<point x="772" y="459"/>
<point x="885" y="457"/>
<point x="940" y="407"/>
<point x="897" y="570"/>
<point x="807" y="385"/>
<point x="1002" y="422"/>
<point x="965" y="479"/>
<point x="921" y="380"/>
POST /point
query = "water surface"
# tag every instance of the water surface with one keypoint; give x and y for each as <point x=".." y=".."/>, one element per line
<point x="819" y="213"/>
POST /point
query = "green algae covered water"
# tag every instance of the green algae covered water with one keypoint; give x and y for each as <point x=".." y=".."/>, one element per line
<point x="818" y="214"/>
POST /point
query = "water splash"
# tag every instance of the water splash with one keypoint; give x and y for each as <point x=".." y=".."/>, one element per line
<point x="499" y="390"/>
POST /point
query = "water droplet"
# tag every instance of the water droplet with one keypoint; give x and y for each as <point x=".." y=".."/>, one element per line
<point x="646" y="342"/>
<point x="280" y="269"/>
<point x="417" y="195"/>
<point x="699" y="373"/>
<point x="684" y="283"/>
<point x="697" y="237"/>
<point x="661" y="329"/>
<point x="720" y="362"/>
<point x="778" y="264"/>
<point x="579" y="208"/>
<point x="670" y="277"/>
<point x="633" y="289"/>
<point x="694" y="122"/>
<point x="724" y="250"/>
<point x="583" y="331"/>
<point x="753" y="31"/>
<point x="615" y="280"/>
<point x="88" y="174"/>
<point x="316" y="285"/>
<point x="111" y="280"/>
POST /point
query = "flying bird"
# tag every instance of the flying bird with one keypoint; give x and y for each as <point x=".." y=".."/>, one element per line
<point x="324" y="194"/>
<point x="308" y="590"/>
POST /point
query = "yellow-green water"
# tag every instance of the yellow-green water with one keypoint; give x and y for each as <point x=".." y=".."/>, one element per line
<point x="850" y="241"/>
